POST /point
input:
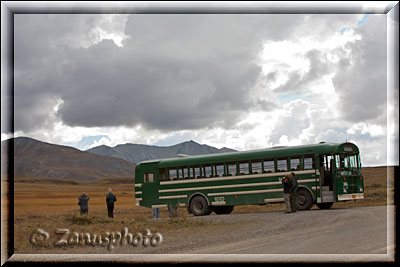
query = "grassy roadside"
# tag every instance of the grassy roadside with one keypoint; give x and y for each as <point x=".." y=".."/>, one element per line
<point x="49" y="205"/>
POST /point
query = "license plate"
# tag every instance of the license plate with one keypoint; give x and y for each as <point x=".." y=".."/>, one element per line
<point x="354" y="196"/>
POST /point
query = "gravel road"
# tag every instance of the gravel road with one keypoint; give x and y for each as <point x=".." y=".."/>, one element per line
<point x="334" y="231"/>
<point x="358" y="233"/>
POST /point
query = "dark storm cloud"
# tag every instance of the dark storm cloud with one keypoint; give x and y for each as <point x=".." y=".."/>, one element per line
<point x="174" y="71"/>
<point x="361" y="80"/>
<point x="41" y="43"/>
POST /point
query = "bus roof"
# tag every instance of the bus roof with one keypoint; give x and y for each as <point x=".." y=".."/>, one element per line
<point x="321" y="148"/>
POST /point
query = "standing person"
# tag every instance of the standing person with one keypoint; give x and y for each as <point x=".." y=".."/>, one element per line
<point x="84" y="203"/>
<point x="110" y="199"/>
<point x="286" y="192"/>
<point x="156" y="213"/>
<point x="173" y="210"/>
<point x="293" y="192"/>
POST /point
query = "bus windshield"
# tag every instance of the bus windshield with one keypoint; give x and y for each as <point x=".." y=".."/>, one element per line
<point x="345" y="162"/>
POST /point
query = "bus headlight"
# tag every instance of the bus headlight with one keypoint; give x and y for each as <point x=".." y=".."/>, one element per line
<point x="361" y="189"/>
<point x="344" y="190"/>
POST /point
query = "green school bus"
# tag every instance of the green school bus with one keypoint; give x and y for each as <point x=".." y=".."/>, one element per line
<point x="326" y="172"/>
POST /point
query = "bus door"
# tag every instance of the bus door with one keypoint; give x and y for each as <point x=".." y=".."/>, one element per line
<point x="327" y="177"/>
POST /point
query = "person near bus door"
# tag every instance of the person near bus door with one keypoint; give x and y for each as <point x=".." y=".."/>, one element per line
<point x="287" y="186"/>
<point x="293" y="192"/>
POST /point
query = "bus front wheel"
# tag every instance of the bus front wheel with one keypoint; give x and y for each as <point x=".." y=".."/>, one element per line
<point x="199" y="206"/>
<point x="324" y="206"/>
<point x="303" y="200"/>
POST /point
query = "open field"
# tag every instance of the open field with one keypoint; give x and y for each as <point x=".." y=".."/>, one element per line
<point x="49" y="205"/>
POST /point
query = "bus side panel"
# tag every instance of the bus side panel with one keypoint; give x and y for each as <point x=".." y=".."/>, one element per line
<point x="149" y="190"/>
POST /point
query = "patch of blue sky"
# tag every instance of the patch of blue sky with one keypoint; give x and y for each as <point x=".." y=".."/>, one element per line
<point x="345" y="29"/>
<point x="363" y="20"/>
<point x="87" y="142"/>
<point x="287" y="97"/>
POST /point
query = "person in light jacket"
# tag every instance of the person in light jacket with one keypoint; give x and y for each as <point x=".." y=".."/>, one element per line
<point x="110" y="199"/>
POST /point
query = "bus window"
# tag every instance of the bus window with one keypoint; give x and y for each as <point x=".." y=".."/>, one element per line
<point x="328" y="160"/>
<point x="231" y="168"/>
<point x="337" y="162"/>
<point x="219" y="170"/>
<point x="172" y="174"/>
<point x="295" y="164"/>
<point x="186" y="173"/>
<point x="282" y="165"/>
<point x="349" y="161"/>
<point x="180" y="173"/>
<point x="256" y="167"/>
<point x="269" y="166"/>
<point x="196" y="172"/>
<point x="244" y="168"/>
<point x="308" y="163"/>
<point x="207" y="171"/>
<point x="161" y="175"/>
<point x="149" y="177"/>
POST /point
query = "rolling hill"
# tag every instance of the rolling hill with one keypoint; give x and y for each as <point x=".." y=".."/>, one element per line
<point x="33" y="158"/>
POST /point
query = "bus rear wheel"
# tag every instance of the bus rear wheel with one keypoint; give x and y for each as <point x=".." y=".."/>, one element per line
<point x="324" y="206"/>
<point x="303" y="200"/>
<point x="223" y="209"/>
<point x="199" y="206"/>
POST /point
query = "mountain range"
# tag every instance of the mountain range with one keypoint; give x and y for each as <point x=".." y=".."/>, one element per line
<point x="136" y="153"/>
<point x="33" y="158"/>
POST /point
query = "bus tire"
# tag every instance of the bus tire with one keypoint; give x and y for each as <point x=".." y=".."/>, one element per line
<point x="223" y="209"/>
<point x="303" y="200"/>
<point x="199" y="206"/>
<point x="324" y="206"/>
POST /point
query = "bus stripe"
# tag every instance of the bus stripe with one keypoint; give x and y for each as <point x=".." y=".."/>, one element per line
<point x="195" y="180"/>
<point x="215" y="187"/>
<point x="244" y="192"/>
<point x="229" y="186"/>
<point x="270" y="200"/>
<point x="159" y="206"/>
<point x="172" y="197"/>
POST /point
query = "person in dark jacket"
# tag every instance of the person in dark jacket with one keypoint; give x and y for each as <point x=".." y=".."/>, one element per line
<point x="293" y="192"/>
<point x="84" y="203"/>
<point x="110" y="199"/>
<point x="287" y="188"/>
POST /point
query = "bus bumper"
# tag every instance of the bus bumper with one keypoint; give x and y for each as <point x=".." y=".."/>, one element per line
<point x="350" y="196"/>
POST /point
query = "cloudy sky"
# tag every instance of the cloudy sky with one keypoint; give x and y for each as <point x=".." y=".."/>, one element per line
<point x="238" y="81"/>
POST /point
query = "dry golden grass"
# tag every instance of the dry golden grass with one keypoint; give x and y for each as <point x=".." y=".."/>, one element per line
<point x="50" y="205"/>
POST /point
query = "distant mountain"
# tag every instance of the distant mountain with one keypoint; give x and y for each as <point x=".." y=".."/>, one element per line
<point x="136" y="153"/>
<point x="33" y="158"/>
